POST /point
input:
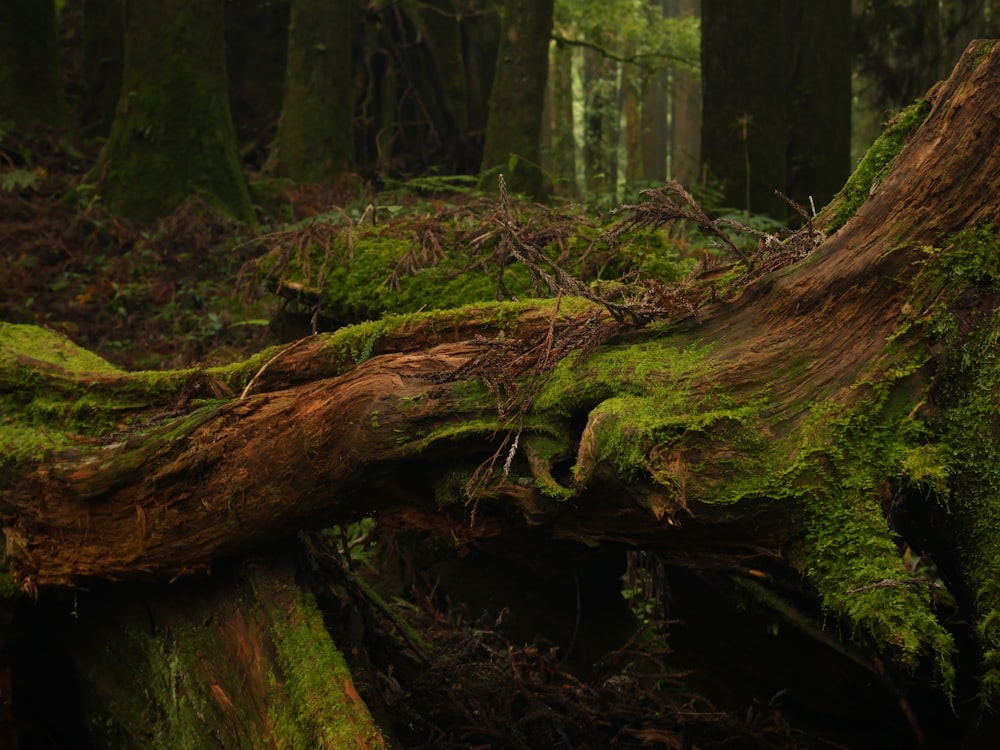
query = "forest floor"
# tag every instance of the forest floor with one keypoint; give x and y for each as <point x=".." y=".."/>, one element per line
<point x="178" y="294"/>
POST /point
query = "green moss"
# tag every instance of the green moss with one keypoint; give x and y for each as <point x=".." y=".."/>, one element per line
<point x="450" y="486"/>
<point x="852" y="560"/>
<point x="249" y="666"/>
<point x="970" y="429"/>
<point x="9" y="588"/>
<point x="644" y="422"/>
<point x="982" y="51"/>
<point x="370" y="285"/>
<point x="835" y="468"/>
<point x="321" y="707"/>
<point x="173" y="136"/>
<point x="659" y="370"/>
<point x="875" y="164"/>
<point x="850" y="553"/>
<point x="23" y="343"/>
<point x="926" y="467"/>
<point x="542" y="452"/>
<point x="651" y="419"/>
<point x="237" y="374"/>
<point x="420" y="263"/>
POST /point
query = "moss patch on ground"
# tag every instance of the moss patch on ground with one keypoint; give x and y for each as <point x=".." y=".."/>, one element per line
<point x="427" y="262"/>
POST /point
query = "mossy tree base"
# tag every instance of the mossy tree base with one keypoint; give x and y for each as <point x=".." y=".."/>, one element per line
<point x="241" y="662"/>
<point x="173" y="135"/>
<point x="836" y="417"/>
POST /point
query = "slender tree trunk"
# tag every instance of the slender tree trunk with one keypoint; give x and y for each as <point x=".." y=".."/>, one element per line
<point x="594" y="106"/>
<point x="685" y="131"/>
<point x="962" y="21"/>
<point x="777" y="102"/>
<point x="30" y="81"/>
<point x="428" y="71"/>
<point x="744" y="90"/>
<point x="445" y="82"/>
<point x="103" y="60"/>
<point x="992" y="19"/>
<point x="632" y="105"/>
<point x="613" y="126"/>
<point x="655" y="134"/>
<point x="480" y="46"/>
<point x="315" y="139"/>
<point x="257" y="63"/>
<point x="518" y="97"/>
<point x="172" y="137"/>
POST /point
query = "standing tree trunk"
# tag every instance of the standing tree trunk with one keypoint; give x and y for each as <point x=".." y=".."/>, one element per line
<point x="257" y="64"/>
<point x="819" y="96"/>
<point x="992" y="18"/>
<point x="655" y="134"/>
<point x="103" y="61"/>
<point x="428" y="68"/>
<point x="776" y="81"/>
<point x="598" y="101"/>
<point x="513" y="131"/>
<point x="30" y="81"/>
<point x="744" y="93"/>
<point x="685" y="133"/>
<point x="172" y="137"/>
<point x="632" y="80"/>
<point x="315" y="140"/>
<point x="240" y="662"/>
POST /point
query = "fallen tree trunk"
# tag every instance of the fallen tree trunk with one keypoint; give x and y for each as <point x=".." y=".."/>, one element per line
<point x="831" y="420"/>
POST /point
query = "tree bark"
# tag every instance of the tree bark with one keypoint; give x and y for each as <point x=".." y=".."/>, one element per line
<point x="514" y="126"/>
<point x="256" y="46"/>
<point x="808" y="426"/>
<point x="685" y="133"/>
<point x="172" y="137"/>
<point x="30" y="81"/>
<point x="819" y="65"/>
<point x="103" y="60"/>
<point x="244" y="661"/>
<point x="745" y="103"/>
<point x="315" y="139"/>
<point x="777" y="104"/>
<point x="429" y="68"/>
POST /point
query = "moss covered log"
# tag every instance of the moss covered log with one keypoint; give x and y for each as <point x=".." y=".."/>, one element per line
<point x="829" y="422"/>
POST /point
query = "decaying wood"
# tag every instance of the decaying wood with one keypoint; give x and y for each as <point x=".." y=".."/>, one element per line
<point x="310" y="444"/>
<point x="308" y="450"/>
<point x="242" y="661"/>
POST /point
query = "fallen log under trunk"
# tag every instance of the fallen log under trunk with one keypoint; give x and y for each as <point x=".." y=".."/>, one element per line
<point x="832" y="421"/>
